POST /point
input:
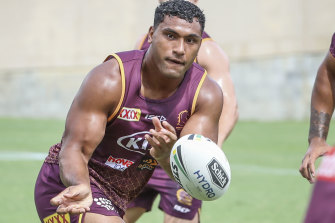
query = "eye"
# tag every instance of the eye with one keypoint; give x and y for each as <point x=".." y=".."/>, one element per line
<point x="191" y="40"/>
<point x="170" y="36"/>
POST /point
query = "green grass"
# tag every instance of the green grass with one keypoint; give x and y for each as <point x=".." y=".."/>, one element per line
<point x="265" y="157"/>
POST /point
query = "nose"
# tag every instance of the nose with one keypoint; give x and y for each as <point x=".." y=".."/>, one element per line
<point x="179" y="47"/>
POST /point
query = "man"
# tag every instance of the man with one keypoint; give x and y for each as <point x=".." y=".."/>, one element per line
<point x="216" y="63"/>
<point x="114" y="134"/>
<point x="321" y="208"/>
<point x="177" y="205"/>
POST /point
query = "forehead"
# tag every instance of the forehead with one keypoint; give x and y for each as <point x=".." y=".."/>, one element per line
<point x="180" y="25"/>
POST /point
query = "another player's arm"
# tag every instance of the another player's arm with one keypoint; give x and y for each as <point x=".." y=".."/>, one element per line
<point x="216" y="62"/>
<point x="207" y="112"/>
<point x="322" y="107"/>
<point x="84" y="129"/>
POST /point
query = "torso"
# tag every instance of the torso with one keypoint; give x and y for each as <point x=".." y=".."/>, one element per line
<point x="121" y="165"/>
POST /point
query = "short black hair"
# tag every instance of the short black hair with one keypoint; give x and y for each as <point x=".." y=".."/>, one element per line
<point x="180" y="8"/>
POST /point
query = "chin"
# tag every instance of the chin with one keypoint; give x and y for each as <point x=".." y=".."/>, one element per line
<point x="173" y="74"/>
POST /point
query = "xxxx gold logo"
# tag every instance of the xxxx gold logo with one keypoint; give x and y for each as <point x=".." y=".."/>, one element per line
<point x="182" y="119"/>
<point x="59" y="218"/>
<point x="130" y="114"/>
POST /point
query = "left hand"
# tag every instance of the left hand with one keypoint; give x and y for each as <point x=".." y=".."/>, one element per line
<point x="74" y="200"/>
<point x="162" y="139"/>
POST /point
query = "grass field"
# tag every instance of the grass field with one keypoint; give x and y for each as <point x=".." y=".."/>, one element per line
<point x="266" y="186"/>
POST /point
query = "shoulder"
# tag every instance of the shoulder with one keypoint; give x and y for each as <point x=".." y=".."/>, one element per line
<point x="210" y="95"/>
<point x="103" y="82"/>
<point x="211" y="48"/>
<point x="212" y="55"/>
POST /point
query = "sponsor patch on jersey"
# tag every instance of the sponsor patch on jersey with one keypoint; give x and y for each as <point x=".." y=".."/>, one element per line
<point x="160" y="117"/>
<point x="118" y="163"/>
<point x="135" y="142"/>
<point x="130" y="114"/>
<point x="218" y="175"/>
<point x="181" y="209"/>
<point x="59" y="218"/>
<point x="147" y="163"/>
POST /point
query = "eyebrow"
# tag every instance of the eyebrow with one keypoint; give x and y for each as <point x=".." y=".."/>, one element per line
<point x="190" y="35"/>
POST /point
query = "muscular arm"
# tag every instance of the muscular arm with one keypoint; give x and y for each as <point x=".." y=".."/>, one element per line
<point x="85" y="125"/>
<point x="207" y="113"/>
<point x="215" y="61"/>
<point x="322" y="107"/>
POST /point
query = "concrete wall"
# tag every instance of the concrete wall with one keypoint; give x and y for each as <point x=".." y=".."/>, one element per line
<point x="275" y="48"/>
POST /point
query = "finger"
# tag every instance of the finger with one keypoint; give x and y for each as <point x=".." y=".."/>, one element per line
<point x="158" y="137"/>
<point x="152" y="141"/>
<point x="72" y="209"/>
<point x="58" y="199"/>
<point x="304" y="167"/>
<point x="169" y="127"/>
<point x="169" y="136"/>
<point x="311" y="169"/>
<point x="157" y="124"/>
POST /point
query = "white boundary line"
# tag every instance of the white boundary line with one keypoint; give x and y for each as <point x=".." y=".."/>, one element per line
<point x="265" y="169"/>
<point x="24" y="156"/>
<point x="33" y="156"/>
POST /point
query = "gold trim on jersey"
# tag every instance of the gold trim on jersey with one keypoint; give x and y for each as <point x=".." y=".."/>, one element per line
<point x="206" y="39"/>
<point x="197" y="91"/>
<point x="80" y="220"/>
<point x="123" y="83"/>
<point x="144" y="38"/>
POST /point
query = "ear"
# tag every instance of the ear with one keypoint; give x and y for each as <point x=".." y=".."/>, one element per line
<point x="150" y="34"/>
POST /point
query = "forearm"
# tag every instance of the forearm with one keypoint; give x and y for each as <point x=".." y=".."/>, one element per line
<point x="73" y="168"/>
<point x="319" y="124"/>
<point x="322" y="106"/>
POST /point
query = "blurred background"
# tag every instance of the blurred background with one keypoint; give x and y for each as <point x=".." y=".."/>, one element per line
<point x="275" y="48"/>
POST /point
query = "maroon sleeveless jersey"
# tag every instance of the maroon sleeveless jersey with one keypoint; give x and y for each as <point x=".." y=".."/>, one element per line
<point x="121" y="164"/>
<point x="332" y="46"/>
<point x="145" y="44"/>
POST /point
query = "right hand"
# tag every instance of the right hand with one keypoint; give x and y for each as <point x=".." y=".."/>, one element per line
<point x="315" y="150"/>
<point x="74" y="200"/>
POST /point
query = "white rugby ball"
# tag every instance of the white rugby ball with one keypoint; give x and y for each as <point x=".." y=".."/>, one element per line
<point x="200" y="167"/>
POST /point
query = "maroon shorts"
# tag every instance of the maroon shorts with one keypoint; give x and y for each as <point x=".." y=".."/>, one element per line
<point x="49" y="184"/>
<point x="322" y="204"/>
<point x="174" y="200"/>
<point x="321" y="207"/>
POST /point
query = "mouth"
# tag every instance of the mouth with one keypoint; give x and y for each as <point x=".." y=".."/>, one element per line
<point x="176" y="61"/>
